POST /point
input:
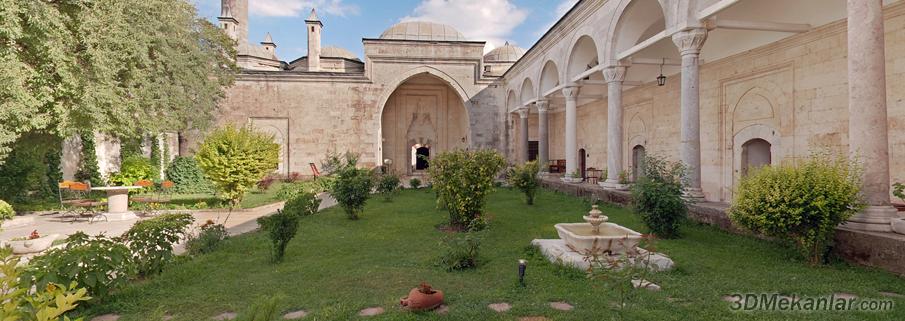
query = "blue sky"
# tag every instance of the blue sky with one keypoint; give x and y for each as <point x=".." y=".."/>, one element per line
<point x="522" y="22"/>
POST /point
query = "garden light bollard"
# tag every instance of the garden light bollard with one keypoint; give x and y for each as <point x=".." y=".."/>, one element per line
<point x="522" y="265"/>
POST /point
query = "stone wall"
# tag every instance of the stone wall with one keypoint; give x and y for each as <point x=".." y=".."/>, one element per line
<point x="792" y="93"/>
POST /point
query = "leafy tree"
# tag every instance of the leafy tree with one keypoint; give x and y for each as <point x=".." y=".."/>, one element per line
<point x="111" y="66"/>
<point x="53" y="160"/>
<point x="524" y="178"/>
<point x="462" y="181"/>
<point x="657" y="196"/>
<point x="235" y="158"/>
<point x="803" y="203"/>
<point x="89" y="171"/>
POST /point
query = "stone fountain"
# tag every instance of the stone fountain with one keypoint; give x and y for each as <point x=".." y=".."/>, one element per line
<point x="601" y="237"/>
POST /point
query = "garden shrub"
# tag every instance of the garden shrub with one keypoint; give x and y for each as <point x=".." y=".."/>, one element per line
<point x="187" y="176"/>
<point x="290" y="190"/>
<point x="462" y="181"/>
<point x="208" y="239"/>
<point x="152" y="241"/>
<point x="303" y="204"/>
<point x="25" y="175"/>
<point x="658" y="196"/>
<point x="898" y="190"/>
<point x="235" y="158"/>
<point x="21" y="302"/>
<point x="388" y="185"/>
<point x="524" y="178"/>
<point x="265" y="183"/>
<point x="415" y="183"/>
<point x="281" y="228"/>
<point x="803" y="203"/>
<point x="6" y="211"/>
<point x="460" y="251"/>
<point x="99" y="263"/>
<point x="133" y="169"/>
<point x="352" y="188"/>
<point x="89" y="171"/>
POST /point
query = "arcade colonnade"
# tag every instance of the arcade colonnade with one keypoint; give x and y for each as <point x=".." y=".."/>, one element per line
<point x="867" y="104"/>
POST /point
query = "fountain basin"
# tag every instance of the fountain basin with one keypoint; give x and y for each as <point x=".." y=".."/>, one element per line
<point x="613" y="238"/>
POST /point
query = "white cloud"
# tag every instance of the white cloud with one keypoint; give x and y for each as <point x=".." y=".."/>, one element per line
<point x="488" y="20"/>
<point x="295" y="8"/>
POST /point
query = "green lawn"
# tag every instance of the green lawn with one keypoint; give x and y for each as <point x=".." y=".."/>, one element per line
<point x="335" y="267"/>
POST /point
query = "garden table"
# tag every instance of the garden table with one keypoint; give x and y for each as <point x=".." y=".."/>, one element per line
<point x="117" y="202"/>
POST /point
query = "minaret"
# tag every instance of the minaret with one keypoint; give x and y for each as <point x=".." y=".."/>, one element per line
<point x="314" y="26"/>
<point x="234" y="19"/>
<point x="268" y="44"/>
<point x="227" y="22"/>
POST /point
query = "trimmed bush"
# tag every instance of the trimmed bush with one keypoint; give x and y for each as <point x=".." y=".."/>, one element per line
<point x="99" y="263"/>
<point x="415" y="183"/>
<point x="352" y="190"/>
<point x="207" y="240"/>
<point x="187" y="176"/>
<point x="388" y="185"/>
<point x="657" y="196"/>
<point x="152" y="241"/>
<point x="235" y="158"/>
<point x="132" y="169"/>
<point x="6" y="211"/>
<point x="281" y="228"/>
<point x="22" y="303"/>
<point x="460" y="252"/>
<point x="803" y="203"/>
<point x="303" y="204"/>
<point x="524" y="178"/>
<point x="462" y="180"/>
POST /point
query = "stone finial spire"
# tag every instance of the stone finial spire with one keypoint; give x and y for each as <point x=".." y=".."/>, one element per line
<point x="313" y="16"/>
<point x="268" y="44"/>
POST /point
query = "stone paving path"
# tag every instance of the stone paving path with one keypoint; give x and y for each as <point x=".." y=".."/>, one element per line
<point x="241" y="221"/>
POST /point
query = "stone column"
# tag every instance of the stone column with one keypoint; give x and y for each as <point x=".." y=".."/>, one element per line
<point x="614" y="77"/>
<point x="867" y="122"/>
<point x="523" y="134"/>
<point x="571" y="93"/>
<point x="689" y="43"/>
<point x="543" y="143"/>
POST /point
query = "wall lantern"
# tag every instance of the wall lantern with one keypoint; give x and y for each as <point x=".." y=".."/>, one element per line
<point x="661" y="79"/>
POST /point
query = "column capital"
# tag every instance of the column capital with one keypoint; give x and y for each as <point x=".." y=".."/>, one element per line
<point x="571" y="91"/>
<point x="543" y="106"/>
<point x="689" y="42"/>
<point x="523" y="112"/>
<point x="614" y="74"/>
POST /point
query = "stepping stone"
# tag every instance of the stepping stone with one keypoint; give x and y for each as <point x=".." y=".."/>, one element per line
<point x="443" y="309"/>
<point x="732" y="299"/>
<point x="891" y="294"/>
<point x="168" y="317"/>
<point x="845" y="296"/>
<point x="645" y="284"/>
<point x="106" y="317"/>
<point x="370" y="312"/>
<point x="226" y="316"/>
<point x="561" y="306"/>
<point x="500" y="307"/>
<point x="295" y="315"/>
<point x="533" y="319"/>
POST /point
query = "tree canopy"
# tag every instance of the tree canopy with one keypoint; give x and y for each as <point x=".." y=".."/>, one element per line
<point x="122" y="67"/>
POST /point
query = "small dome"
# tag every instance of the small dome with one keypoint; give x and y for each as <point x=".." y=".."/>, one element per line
<point x="422" y="30"/>
<point x="506" y="53"/>
<point x="337" y="52"/>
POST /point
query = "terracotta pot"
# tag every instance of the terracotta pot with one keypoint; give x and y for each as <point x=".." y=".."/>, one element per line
<point x="417" y="301"/>
<point x="32" y="246"/>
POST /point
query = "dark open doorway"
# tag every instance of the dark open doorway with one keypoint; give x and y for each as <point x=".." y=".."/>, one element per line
<point x="422" y="155"/>
<point x="583" y="163"/>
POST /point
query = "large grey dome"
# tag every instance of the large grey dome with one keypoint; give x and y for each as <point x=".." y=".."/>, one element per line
<point x="506" y="53"/>
<point x="422" y="30"/>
